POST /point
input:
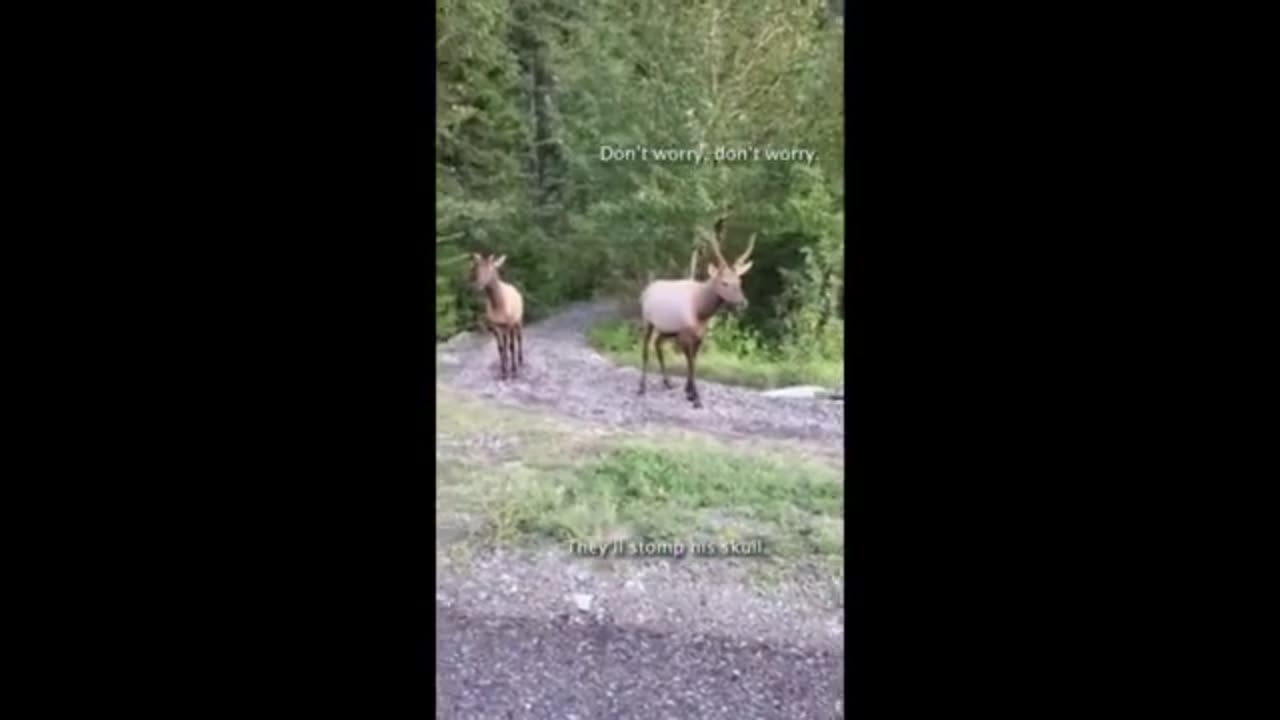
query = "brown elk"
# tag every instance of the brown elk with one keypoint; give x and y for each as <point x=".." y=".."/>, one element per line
<point x="680" y="310"/>
<point x="503" y="311"/>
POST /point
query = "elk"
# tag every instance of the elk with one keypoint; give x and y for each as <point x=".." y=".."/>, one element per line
<point x="503" y="311"/>
<point x="679" y="310"/>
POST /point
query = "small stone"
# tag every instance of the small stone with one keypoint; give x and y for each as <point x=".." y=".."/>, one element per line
<point x="583" y="601"/>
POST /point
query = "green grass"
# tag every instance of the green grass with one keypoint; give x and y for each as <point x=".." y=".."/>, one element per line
<point x="669" y="494"/>
<point x="555" y="482"/>
<point x="620" y="341"/>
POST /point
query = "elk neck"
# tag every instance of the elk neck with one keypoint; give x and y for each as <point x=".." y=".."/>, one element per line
<point x="706" y="300"/>
<point x="493" y="292"/>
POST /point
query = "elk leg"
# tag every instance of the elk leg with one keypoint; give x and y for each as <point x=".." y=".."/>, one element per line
<point x="499" y="336"/>
<point x="662" y="361"/>
<point x="497" y="339"/>
<point x="690" y="347"/>
<point x="520" y="344"/>
<point x="644" y="355"/>
<point x="508" y="368"/>
<point x="511" y="350"/>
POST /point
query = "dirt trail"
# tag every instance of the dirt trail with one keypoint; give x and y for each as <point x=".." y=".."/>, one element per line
<point x="562" y="373"/>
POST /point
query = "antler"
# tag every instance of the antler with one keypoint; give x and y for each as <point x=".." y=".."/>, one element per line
<point x="714" y="240"/>
<point x="710" y="240"/>
<point x="751" y="244"/>
<point x="693" y="264"/>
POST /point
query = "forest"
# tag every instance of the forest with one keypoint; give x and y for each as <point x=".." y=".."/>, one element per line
<point x="589" y="142"/>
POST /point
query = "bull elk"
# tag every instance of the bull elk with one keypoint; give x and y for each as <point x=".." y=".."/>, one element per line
<point x="680" y="309"/>
<point x="503" y="311"/>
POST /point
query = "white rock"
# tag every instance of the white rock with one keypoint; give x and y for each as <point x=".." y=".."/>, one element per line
<point x="797" y="391"/>
<point x="583" y="601"/>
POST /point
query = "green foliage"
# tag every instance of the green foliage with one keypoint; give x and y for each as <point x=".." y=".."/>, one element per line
<point x="529" y="92"/>
<point x="732" y="355"/>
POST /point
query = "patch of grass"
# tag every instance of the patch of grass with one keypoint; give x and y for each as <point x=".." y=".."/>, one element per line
<point x="487" y="454"/>
<point x="523" y="478"/>
<point x="650" y="493"/>
<point x="620" y="341"/>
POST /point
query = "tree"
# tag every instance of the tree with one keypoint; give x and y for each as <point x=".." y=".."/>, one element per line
<point x="530" y="92"/>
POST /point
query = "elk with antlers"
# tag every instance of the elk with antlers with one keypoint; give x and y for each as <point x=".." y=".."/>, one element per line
<point x="680" y="309"/>
<point x="503" y="311"/>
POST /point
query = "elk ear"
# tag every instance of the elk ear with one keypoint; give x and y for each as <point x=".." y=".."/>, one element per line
<point x="476" y="258"/>
<point x="498" y="263"/>
<point x="744" y="267"/>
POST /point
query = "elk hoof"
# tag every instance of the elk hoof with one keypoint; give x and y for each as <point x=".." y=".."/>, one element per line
<point x="667" y="384"/>
<point x="697" y="403"/>
<point x="640" y="391"/>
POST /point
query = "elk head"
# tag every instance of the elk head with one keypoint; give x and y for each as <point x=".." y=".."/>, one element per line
<point x="484" y="270"/>
<point x="725" y="278"/>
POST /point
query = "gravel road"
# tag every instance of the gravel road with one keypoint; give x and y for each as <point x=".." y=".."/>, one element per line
<point x="564" y="374"/>
<point x="494" y="667"/>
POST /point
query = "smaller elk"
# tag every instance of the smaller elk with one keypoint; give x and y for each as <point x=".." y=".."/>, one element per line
<point x="680" y="310"/>
<point x="503" y="311"/>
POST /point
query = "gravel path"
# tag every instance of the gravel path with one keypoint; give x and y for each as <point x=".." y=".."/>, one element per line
<point x="564" y="374"/>
<point x="544" y="634"/>
<point x="493" y="667"/>
<point x="691" y="596"/>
